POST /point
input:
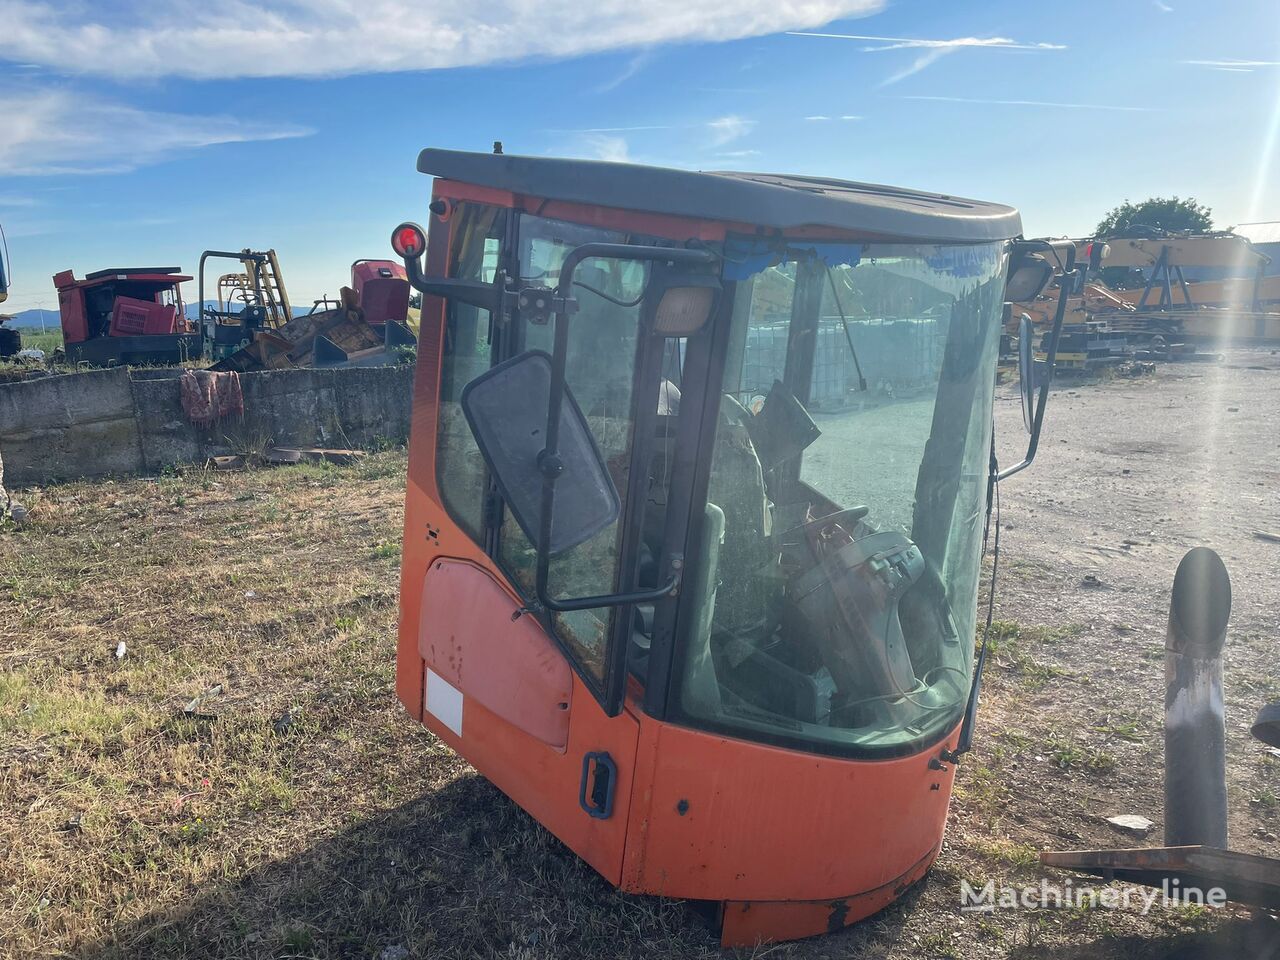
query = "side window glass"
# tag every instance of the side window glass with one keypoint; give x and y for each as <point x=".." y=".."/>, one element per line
<point x="467" y="351"/>
<point x="600" y="371"/>
<point x="758" y="351"/>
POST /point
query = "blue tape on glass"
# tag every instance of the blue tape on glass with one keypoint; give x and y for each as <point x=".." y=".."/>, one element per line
<point x="963" y="261"/>
<point x="746" y="256"/>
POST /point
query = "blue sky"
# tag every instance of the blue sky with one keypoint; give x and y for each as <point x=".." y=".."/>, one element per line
<point x="140" y="134"/>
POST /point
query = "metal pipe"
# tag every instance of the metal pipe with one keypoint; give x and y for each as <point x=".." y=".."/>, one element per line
<point x="1195" y="784"/>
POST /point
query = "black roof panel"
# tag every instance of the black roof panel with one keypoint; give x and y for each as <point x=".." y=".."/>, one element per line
<point x="127" y="271"/>
<point x="767" y="199"/>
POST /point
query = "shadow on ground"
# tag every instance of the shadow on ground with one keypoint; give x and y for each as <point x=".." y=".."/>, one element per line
<point x="461" y="872"/>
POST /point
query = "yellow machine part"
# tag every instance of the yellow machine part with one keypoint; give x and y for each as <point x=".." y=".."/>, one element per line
<point x="1223" y="251"/>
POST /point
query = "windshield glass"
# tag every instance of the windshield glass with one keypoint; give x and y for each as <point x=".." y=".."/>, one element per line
<point x="847" y="494"/>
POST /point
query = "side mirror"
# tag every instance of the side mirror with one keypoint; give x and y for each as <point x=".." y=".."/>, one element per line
<point x="1032" y="406"/>
<point x="1027" y="371"/>
<point x="506" y="408"/>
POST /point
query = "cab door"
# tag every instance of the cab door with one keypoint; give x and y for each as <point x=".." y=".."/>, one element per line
<point x="521" y="694"/>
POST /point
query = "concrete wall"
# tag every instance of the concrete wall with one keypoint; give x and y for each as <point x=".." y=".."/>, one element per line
<point x="122" y="421"/>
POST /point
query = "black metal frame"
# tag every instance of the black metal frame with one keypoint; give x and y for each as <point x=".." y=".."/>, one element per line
<point x="240" y="257"/>
<point x="211" y="322"/>
<point x="549" y="460"/>
<point x="704" y="364"/>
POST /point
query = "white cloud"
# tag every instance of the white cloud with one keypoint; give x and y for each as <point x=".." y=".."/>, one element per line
<point x="261" y="38"/>
<point x="922" y="62"/>
<point x="606" y="147"/>
<point x="738" y="154"/>
<point x="1161" y="6"/>
<point x="933" y="50"/>
<point x="1234" y="66"/>
<point x="817" y="116"/>
<point x="606" y="144"/>
<point x="629" y="70"/>
<point x="727" y="129"/>
<point x="916" y="43"/>
<point x="66" y="132"/>
<point x="850" y="116"/>
<point x="1034" y="103"/>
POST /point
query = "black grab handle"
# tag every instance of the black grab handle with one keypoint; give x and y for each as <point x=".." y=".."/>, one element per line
<point x="599" y="802"/>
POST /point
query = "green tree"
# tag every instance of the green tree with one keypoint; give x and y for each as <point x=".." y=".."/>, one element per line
<point x="1172" y="214"/>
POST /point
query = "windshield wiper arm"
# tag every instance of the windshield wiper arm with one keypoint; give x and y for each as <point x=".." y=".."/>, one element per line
<point x="844" y="323"/>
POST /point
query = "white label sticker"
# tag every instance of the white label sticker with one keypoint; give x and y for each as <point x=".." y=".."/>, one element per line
<point x="444" y="701"/>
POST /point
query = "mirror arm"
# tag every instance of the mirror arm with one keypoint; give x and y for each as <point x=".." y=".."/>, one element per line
<point x="475" y="293"/>
<point x="1067" y="283"/>
<point x="672" y="586"/>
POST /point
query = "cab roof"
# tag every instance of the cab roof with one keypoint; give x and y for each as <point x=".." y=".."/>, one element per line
<point x="162" y="276"/>
<point x="764" y="199"/>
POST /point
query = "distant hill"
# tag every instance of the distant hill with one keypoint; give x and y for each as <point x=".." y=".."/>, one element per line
<point x="31" y="318"/>
<point x="52" y="319"/>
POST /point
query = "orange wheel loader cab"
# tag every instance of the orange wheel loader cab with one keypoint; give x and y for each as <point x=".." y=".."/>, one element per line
<point x="697" y="485"/>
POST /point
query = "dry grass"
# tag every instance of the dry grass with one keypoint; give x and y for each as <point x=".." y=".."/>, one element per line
<point x="298" y="813"/>
<point x="131" y="828"/>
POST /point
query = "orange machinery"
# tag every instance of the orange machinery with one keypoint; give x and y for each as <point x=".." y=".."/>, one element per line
<point x="716" y="636"/>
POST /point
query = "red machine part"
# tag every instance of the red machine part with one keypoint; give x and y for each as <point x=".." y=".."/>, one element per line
<point x="382" y="290"/>
<point x="91" y="307"/>
<point x="132" y="318"/>
<point x="75" y="325"/>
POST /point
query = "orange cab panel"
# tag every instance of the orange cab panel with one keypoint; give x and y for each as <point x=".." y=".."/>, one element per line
<point x="747" y="923"/>
<point x="729" y="816"/>
<point x="478" y="643"/>
<point x="545" y="781"/>
<point x="542" y="778"/>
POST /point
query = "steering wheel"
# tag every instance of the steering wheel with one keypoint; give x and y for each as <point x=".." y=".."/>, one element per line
<point x="840" y="516"/>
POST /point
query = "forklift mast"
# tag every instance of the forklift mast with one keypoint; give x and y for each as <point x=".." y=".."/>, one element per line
<point x="263" y="303"/>
<point x="695" y="512"/>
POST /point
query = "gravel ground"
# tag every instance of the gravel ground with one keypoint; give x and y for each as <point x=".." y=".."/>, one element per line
<point x="1131" y="474"/>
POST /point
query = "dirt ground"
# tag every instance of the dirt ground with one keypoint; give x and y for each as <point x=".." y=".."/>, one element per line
<point x="240" y="781"/>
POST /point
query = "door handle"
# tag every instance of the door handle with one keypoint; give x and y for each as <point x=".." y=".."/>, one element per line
<point x="599" y="778"/>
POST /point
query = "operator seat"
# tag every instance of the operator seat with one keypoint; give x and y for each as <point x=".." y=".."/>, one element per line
<point x="749" y="599"/>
